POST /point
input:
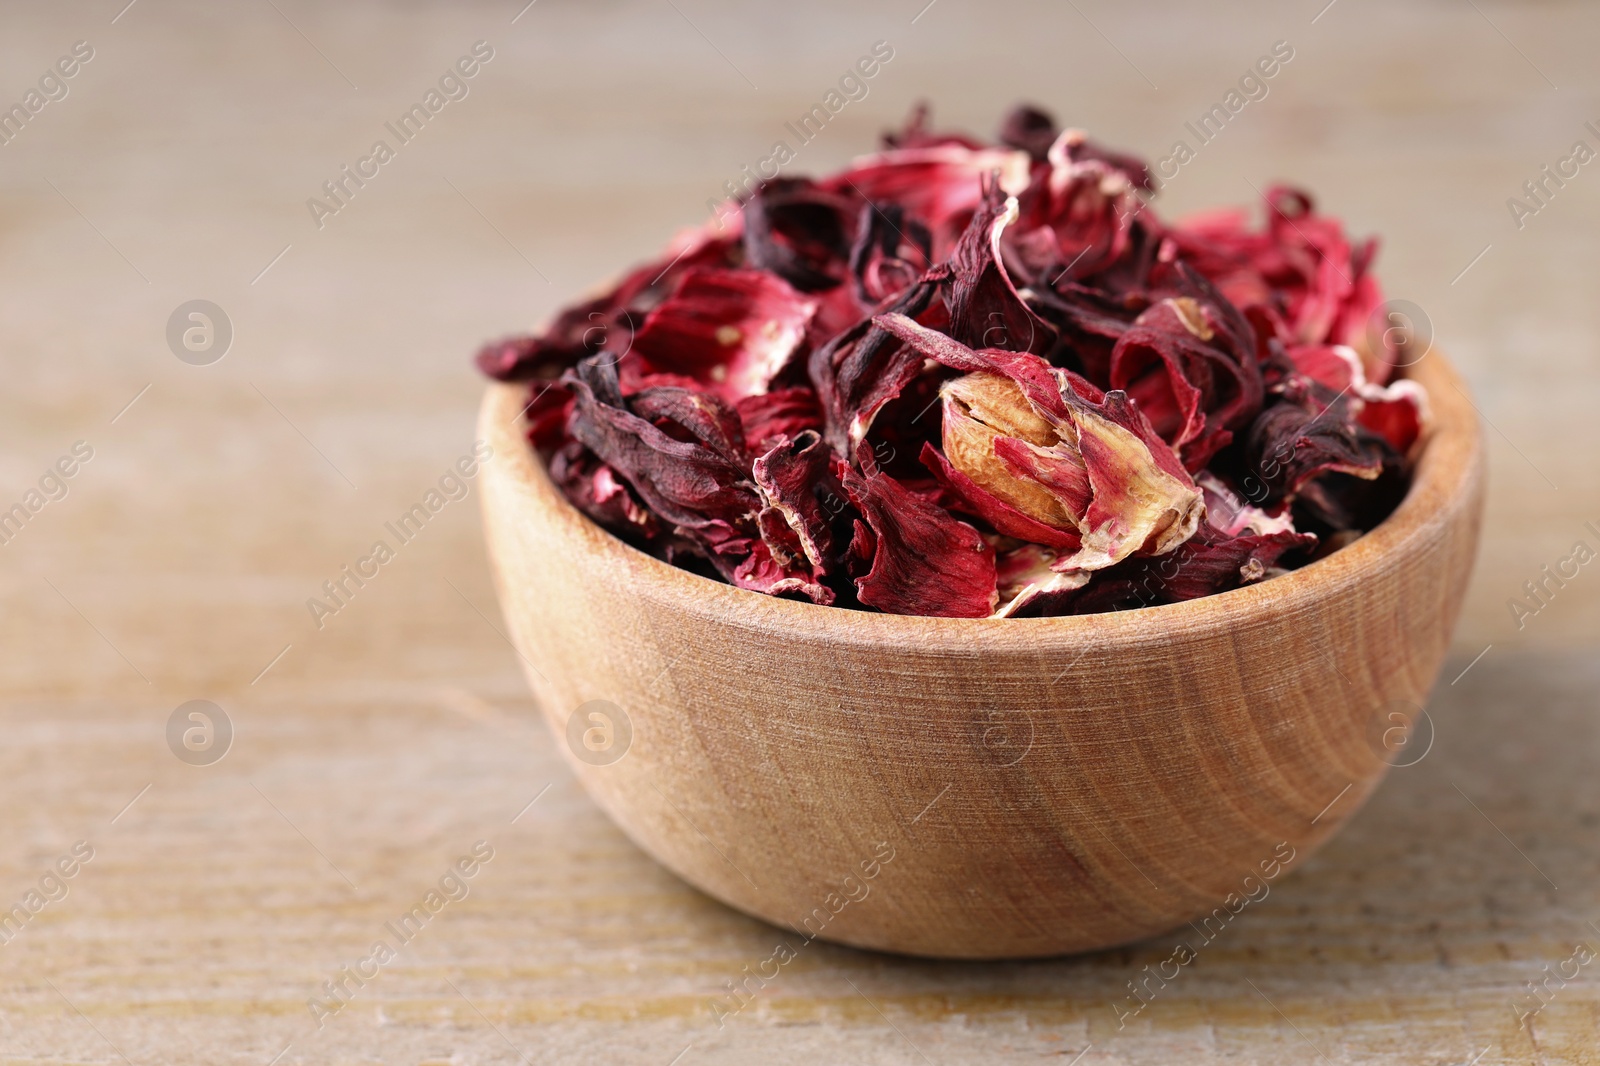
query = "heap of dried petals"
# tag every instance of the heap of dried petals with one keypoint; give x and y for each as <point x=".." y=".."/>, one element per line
<point x="970" y="380"/>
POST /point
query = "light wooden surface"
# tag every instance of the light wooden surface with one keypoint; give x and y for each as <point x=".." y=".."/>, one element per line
<point x="379" y="748"/>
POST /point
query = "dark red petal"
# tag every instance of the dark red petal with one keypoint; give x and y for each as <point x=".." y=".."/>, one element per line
<point x="685" y="414"/>
<point x="763" y="571"/>
<point x="1303" y="437"/>
<point x="891" y="253"/>
<point x="597" y="490"/>
<point x="1086" y="389"/>
<point x="1397" y="412"/>
<point x="606" y="322"/>
<point x="1091" y="322"/>
<point x="924" y="560"/>
<point x="1344" y="505"/>
<point x="1191" y="363"/>
<point x="1210" y="564"/>
<point x="865" y="368"/>
<point x="546" y="414"/>
<point x="686" y="482"/>
<point x="985" y="309"/>
<point x="1080" y="219"/>
<point x="799" y="231"/>
<point x="768" y="416"/>
<point x="1032" y="374"/>
<point x="1029" y="128"/>
<point x="794" y="478"/>
<point x="1147" y="364"/>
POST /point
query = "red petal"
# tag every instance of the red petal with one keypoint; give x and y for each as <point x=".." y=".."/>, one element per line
<point x="731" y="330"/>
<point x="606" y="322"/>
<point x="985" y="309"/>
<point x="761" y="571"/>
<point x="1144" y="501"/>
<point x="1304" y="437"/>
<point x="791" y="478"/>
<point x="768" y="416"/>
<point x="1077" y="222"/>
<point x="1208" y="565"/>
<point x="688" y="482"/>
<point x="892" y="252"/>
<point x="1398" y="412"/>
<point x="939" y="184"/>
<point x="799" y="231"/>
<point x="862" y="370"/>
<point x="1029" y="582"/>
<point x="1031" y="373"/>
<point x="924" y="560"/>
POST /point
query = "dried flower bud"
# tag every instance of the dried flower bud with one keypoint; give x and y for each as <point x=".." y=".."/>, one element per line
<point x="981" y="408"/>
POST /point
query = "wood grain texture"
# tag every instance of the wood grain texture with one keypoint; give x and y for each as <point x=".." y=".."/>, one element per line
<point x="389" y="740"/>
<point x="1101" y="778"/>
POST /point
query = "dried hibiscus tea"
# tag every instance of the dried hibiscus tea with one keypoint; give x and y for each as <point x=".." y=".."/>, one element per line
<point x="974" y="380"/>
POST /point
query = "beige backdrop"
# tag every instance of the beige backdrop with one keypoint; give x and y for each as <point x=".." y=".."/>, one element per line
<point x="372" y="752"/>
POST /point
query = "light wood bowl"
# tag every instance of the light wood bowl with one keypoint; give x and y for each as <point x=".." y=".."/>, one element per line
<point x="1039" y="786"/>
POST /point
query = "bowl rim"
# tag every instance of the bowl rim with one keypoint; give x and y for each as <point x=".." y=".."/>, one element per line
<point x="1445" y="480"/>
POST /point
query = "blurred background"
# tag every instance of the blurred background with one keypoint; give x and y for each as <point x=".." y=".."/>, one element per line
<point x="230" y="477"/>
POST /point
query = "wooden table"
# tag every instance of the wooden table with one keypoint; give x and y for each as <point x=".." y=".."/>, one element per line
<point x="371" y="753"/>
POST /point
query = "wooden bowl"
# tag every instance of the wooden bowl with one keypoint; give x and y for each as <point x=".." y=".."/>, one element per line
<point x="982" y="788"/>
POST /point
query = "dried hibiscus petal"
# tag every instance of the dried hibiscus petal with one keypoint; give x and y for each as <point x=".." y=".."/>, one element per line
<point x="1029" y="582"/>
<point x="863" y="369"/>
<point x="1228" y="514"/>
<point x="799" y="232"/>
<point x="1302" y="274"/>
<point x="1030" y="129"/>
<point x="730" y="330"/>
<point x="606" y="322"/>
<point x="599" y="492"/>
<point x="1309" y="435"/>
<point x="940" y="185"/>
<point x="924" y="560"/>
<point x="1211" y="562"/>
<point x="1195" y="382"/>
<point x="985" y="308"/>
<point x="1398" y="412"/>
<point x="892" y="251"/>
<point x="1140" y="503"/>
<point x="769" y="416"/>
<point x="688" y="482"/>
<point x="1079" y="220"/>
<point x="773" y="568"/>
<point x="1205" y="565"/>
<point x="793" y="478"/>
